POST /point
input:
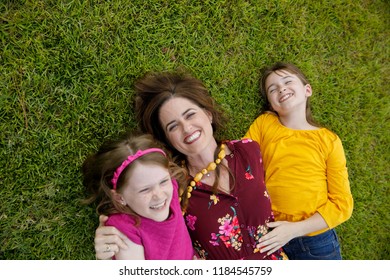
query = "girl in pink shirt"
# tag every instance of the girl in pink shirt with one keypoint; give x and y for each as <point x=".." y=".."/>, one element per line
<point x="133" y="182"/>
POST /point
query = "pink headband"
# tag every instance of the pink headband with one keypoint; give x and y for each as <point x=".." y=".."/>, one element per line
<point x="129" y="160"/>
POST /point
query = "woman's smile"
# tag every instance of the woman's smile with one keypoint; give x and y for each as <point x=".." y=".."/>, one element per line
<point x="193" y="137"/>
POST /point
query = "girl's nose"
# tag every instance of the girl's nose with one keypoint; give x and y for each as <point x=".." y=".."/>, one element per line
<point x="156" y="192"/>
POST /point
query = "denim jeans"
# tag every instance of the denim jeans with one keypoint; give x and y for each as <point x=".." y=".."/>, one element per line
<point x="324" y="246"/>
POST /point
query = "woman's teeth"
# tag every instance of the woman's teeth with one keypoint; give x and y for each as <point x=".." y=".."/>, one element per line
<point x="193" y="137"/>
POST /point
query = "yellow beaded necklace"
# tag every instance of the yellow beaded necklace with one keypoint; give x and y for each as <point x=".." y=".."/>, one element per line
<point x="212" y="166"/>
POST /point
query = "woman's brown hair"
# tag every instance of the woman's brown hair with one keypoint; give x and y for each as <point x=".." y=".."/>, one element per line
<point x="154" y="89"/>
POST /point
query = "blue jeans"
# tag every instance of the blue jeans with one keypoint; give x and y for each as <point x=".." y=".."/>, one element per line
<point x="324" y="246"/>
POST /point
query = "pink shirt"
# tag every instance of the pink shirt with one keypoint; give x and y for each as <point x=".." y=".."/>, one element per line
<point x="167" y="240"/>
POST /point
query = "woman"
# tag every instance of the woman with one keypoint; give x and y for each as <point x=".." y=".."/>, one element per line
<point x="226" y="205"/>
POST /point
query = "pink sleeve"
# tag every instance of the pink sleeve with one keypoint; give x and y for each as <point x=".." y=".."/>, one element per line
<point x="126" y="224"/>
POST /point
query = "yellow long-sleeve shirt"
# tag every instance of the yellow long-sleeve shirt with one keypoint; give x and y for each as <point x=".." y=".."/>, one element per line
<point x="305" y="172"/>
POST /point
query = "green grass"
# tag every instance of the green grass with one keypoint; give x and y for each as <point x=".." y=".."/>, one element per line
<point x="66" y="84"/>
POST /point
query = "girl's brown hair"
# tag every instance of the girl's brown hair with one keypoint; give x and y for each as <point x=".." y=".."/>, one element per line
<point x="98" y="170"/>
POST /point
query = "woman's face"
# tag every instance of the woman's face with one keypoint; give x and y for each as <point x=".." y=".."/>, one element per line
<point x="148" y="191"/>
<point x="186" y="126"/>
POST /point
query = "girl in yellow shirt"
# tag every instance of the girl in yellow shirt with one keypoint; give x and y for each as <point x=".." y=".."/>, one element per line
<point x="305" y="169"/>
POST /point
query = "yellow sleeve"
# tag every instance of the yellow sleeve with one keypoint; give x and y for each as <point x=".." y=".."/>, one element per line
<point x="254" y="130"/>
<point x="339" y="206"/>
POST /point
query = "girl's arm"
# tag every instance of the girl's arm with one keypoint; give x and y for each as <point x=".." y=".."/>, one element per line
<point x="339" y="206"/>
<point x="284" y="231"/>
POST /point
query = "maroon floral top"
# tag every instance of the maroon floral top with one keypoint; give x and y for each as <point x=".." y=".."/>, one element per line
<point x="228" y="226"/>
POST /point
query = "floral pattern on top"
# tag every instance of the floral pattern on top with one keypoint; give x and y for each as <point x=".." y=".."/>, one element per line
<point x="190" y="221"/>
<point x="229" y="225"/>
<point x="202" y="254"/>
<point x="214" y="200"/>
<point x="260" y="231"/>
<point x="248" y="173"/>
<point x="229" y="232"/>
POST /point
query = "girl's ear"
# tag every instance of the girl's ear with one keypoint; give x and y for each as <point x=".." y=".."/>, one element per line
<point x="118" y="197"/>
<point x="309" y="91"/>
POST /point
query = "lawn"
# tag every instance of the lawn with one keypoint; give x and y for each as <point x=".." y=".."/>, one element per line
<point x="66" y="84"/>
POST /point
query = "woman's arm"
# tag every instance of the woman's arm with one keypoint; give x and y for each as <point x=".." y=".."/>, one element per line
<point x="108" y="240"/>
<point x="133" y="252"/>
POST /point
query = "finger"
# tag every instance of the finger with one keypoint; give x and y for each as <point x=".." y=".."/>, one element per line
<point x="266" y="239"/>
<point x="270" y="248"/>
<point x="121" y="243"/>
<point x="102" y="240"/>
<point x="273" y="250"/>
<point x="107" y="230"/>
<point x="119" y="239"/>
<point x="104" y="255"/>
<point x="107" y="248"/>
<point x="102" y="220"/>
<point x="273" y="224"/>
<point x="105" y="251"/>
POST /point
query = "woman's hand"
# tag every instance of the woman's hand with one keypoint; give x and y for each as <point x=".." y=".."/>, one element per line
<point x="108" y="240"/>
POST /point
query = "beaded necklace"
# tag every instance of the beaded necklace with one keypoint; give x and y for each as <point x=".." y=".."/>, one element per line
<point x="205" y="171"/>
